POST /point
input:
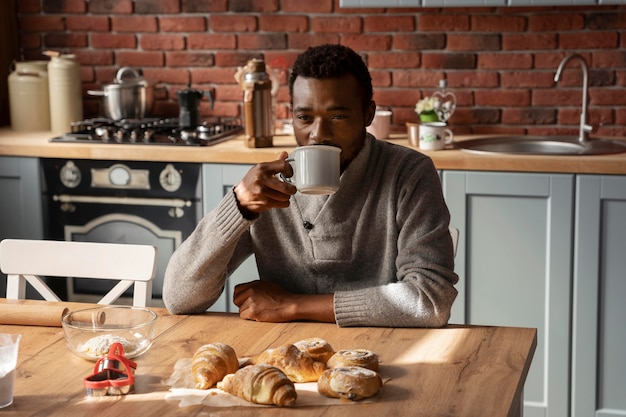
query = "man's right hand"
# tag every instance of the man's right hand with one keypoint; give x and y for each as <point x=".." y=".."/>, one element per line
<point x="260" y="190"/>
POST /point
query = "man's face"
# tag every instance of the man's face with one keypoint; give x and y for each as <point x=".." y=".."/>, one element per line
<point x="330" y="112"/>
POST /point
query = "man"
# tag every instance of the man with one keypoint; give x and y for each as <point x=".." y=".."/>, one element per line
<point x="376" y="253"/>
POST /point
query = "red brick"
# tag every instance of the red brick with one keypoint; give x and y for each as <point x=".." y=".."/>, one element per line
<point x="65" y="7"/>
<point x="166" y="75"/>
<point x="556" y="22"/>
<point x="393" y="60"/>
<point x="211" y="41"/>
<point x="597" y="116"/>
<point x="157" y="6"/>
<point x="609" y="59"/>
<point x="283" y="23"/>
<point x="528" y="116"/>
<point x="233" y="23"/>
<point x="620" y="116"/>
<point x="620" y="78"/>
<point x="28" y="6"/>
<point x="498" y="23"/>
<point x="380" y="23"/>
<point x="40" y="23"/>
<point x="262" y="41"/>
<point x="614" y="131"/>
<point x="557" y="97"/>
<point x="443" y="23"/>
<point x="88" y="23"/>
<point x="332" y="24"/>
<point x="588" y="40"/>
<point x="416" y="78"/>
<point x="235" y="58"/>
<point x="475" y="116"/>
<point x="607" y="97"/>
<point x="448" y="60"/>
<point x="226" y="109"/>
<point x="301" y="41"/>
<point x="299" y="6"/>
<point x="113" y="41"/>
<point x="163" y="108"/>
<point x="134" y="24"/>
<point x="139" y="59"/>
<point x="229" y="92"/>
<point x="530" y="41"/>
<point x="419" y="41"/>
<point x="213" y="75"/>
<point x="93" y="57"/>
<point x="531" y="79"/>
<point x="505" y="61"/>
<point x="511" y="97"/>
<point x="552" y="59"/>
<point x="204" y="6"/>
<point x="31" y="40"/>
<point x="182" y="24"/>
<point x="607" y="20"/>
<point x="189" y="59"/>
<point x="394" y="97"/>
<point x="256" y="6"/>
<point x="361" y="43"/>
<point x="468" y="42"/>
<point x="162" y="42"/>
<point x="281" y="60"/>
<point x="381" y="78"/>
<point x="65" y="40"/>
<point x="472" y="79"/>
<point x="111" y="6"/>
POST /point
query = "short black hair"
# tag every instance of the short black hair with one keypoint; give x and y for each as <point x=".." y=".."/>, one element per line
<point x="332" y="61"/>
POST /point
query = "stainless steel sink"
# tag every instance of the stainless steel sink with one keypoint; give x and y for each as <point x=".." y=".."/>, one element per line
<point x="541" y="145"/>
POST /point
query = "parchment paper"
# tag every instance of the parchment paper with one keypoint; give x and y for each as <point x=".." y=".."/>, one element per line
<point x="181" y="383"/>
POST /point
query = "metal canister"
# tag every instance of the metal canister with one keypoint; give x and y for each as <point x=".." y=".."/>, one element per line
<point x="257" y="104"/>
<point x="29" y="101"/>
<point x="66" y="97"/>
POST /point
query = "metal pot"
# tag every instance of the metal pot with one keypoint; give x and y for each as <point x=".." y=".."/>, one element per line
<point x="127" y="97"/>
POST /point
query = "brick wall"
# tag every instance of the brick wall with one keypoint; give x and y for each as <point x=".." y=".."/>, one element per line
<point x="500" y="62"/>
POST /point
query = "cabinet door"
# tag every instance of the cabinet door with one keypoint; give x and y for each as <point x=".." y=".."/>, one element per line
<point x="217" y="180"/>
<point x="599" y="332"/>
<point x="514" y="264"/>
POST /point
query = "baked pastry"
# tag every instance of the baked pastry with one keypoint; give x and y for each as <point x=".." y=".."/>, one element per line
<point x="354" y="357"/>
<point x="350" y="382"/>
<point x="260" y="384"/>
<point x="211" y="363"/>
<point x="297" y="365"/>
<point x="317" y="348"/>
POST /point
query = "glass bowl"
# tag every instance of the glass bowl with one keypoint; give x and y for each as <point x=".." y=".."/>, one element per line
<point x="89" y="333"/>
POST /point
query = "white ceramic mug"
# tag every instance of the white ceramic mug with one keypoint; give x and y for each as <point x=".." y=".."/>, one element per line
<point x="315" y="169"/>
<point x="380" y="125"/>
<point x="434" y="136"/>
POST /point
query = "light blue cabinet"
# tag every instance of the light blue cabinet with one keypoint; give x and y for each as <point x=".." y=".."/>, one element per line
<point x="599" y="313"/>
<point x="514" y="262"/>
<point x="217" y="180"/>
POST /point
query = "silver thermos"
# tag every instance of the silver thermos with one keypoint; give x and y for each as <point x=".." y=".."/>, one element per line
<point x="257" y="104"/>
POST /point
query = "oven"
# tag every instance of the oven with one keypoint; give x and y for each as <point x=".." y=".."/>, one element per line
<point x="153" y="203"/>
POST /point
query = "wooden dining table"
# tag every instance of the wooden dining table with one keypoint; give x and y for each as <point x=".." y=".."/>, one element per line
<point x="456" y="370"/>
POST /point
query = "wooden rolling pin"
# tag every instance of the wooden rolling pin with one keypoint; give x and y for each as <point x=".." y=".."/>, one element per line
<point x="32" y="315"/>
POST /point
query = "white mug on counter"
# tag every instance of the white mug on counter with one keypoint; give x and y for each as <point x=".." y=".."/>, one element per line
<point x="433" y="136"/>
<point x="315" y="169"/>
<point x="381" y="124"/>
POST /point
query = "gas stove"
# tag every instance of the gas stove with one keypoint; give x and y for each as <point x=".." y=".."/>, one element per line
<point x="152" y="131"/>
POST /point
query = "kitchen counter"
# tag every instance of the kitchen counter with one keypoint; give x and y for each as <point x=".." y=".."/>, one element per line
<point x="36" y="144"/>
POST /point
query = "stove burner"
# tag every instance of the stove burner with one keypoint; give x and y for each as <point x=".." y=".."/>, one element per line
<point x="151" y="132"/>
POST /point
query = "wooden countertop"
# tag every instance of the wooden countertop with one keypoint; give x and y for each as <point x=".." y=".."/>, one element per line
<point x="460" y="370"/>
<point x="36" y="144"/>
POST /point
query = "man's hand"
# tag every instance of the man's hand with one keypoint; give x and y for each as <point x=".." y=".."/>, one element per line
<point x="260" y="190"/>
<point x="266" y="301"/>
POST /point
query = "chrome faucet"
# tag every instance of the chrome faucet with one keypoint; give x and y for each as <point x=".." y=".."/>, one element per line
<point x="583" y="135"/>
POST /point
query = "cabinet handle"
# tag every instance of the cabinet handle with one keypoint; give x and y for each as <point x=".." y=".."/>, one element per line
<point x="126" y="201"/>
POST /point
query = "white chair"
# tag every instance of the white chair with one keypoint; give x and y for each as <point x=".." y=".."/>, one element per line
<point x="27" y="260"/>
<point x="454" y="234"/>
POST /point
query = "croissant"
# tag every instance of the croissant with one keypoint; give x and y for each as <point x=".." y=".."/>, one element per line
<point x="211" y="363"/>
<point x="317" y="348"/>
<point x="297" y="365"/>
<point x="260" y="384"/>
<point x="350" y="382"/>
<point x="354" y="357"/>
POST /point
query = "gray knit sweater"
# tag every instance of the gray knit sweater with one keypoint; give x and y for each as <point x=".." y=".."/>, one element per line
<point x="380" y="244"/>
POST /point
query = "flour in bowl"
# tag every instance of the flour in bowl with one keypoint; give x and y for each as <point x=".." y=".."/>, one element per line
<point x="100" y="345"/>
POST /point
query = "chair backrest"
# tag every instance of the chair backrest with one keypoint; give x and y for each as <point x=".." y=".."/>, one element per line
<point x="27" y="260"/>
<point x="454" y="234"/>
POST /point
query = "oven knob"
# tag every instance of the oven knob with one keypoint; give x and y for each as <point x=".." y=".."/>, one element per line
<point x="170" y="178"/>
<point x="119" y="175"/>
<point x="70" y="175"/>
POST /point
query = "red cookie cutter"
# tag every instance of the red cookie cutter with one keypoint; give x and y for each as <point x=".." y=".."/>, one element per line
<point x="114" y="374"/>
